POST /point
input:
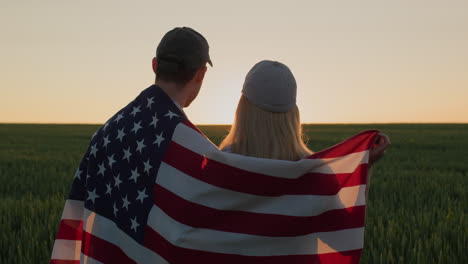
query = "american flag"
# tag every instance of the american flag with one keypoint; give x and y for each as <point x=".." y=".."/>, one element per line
<point x="151" y="188"/>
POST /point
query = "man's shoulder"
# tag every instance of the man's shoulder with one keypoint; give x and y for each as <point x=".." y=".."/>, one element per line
<point x="151" y="112"/>
<point x="150" y="102"/>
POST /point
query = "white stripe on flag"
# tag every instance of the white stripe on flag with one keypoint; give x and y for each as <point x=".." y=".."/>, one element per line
<point x="194" y="141"/>
<point x="345" y="164"/>
<point x="66" y="249"/>
<point x="197" y="191"/>
<point x="73" y="210"/>
<point x="209" y="240"/>
<point x="88" y="260"/>
<point x="291" y="169"/>
<point x="106" y="229"/>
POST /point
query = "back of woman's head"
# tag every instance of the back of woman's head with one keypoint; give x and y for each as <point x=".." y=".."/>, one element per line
<point x="267" y="122"/>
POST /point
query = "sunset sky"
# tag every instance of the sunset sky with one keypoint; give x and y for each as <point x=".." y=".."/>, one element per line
<point x="354" y="61"/>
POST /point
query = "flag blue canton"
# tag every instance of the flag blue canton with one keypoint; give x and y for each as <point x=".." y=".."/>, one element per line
<point x="116" y="176"/>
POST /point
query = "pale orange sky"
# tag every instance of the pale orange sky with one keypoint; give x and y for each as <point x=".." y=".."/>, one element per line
<point x="354" y="61"/>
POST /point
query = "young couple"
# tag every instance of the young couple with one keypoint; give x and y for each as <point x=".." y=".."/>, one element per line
<point x="267" y="123"/>
<point x="133" y="185"/>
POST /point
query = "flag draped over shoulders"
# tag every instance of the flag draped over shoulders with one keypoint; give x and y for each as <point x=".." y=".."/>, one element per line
<point x="151" y="188"/>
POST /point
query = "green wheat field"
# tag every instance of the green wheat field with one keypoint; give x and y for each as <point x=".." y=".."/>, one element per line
<point x="417" y="210"/>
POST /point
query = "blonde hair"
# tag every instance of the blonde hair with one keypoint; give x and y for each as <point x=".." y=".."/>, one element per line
<point x="265" y="134"/>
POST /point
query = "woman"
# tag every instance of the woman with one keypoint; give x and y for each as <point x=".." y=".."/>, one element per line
<point x="267" y="123"/>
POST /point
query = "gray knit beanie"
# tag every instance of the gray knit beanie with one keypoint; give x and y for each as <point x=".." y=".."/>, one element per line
<point x="271" y="86"/>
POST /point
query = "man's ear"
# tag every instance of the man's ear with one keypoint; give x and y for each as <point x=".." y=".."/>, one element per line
<point x="200" y="75"/>
<point x="155" y="64"/>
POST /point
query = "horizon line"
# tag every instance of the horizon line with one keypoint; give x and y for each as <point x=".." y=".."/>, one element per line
<point x="213" y="124"/>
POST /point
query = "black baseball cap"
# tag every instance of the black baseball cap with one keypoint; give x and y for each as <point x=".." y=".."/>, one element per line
<point x="182" y="48"/>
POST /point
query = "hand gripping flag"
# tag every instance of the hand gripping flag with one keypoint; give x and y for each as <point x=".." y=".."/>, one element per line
<point x="151" y="188"/>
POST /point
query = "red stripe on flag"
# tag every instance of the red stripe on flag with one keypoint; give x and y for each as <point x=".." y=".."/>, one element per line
<point x="357" y="143"/>
<point x="103" y="251"/>
<point x="70" y="229"/>
<point x="61" y="261"/>
<point x="175" y="254"/>
<point x="200" y="216"/>
<point x="232" y="178"/>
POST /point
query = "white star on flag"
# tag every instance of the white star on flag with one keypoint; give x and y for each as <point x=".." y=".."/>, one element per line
<point x="117" y="181"/>
<point x="147" y="166"/>
<point x="119" y="116"/>
<point x="159" y="139"/>
<point x="106" y="141"/>
<point x="121" y="134"/>
<point x="92" y="195"/>
<point x="155" y="120"/>
<point x="150" y="102"/>
<point x="111" y="160"/>
<point x="136" y="127"/>
<point x="135" y="111"/>
<point x="77" y="174"/>
<point x="93" y="150"/>
<point x="142" y="195"/>
<point x="170" y="114"/>
<point x="102" y="169"/>
<point x="115" y="210"/>
<point x="134" y="224"/>
<point x="109" y="189"/>
<point x="127" y="154"/>
<point x="140" y="145"/>
<point x="135" y="175"/>
<point x="126" y="203"/>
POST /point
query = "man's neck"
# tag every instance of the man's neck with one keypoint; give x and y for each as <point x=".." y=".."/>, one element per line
<point x="174" y="91"/>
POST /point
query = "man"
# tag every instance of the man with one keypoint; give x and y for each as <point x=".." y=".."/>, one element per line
<point x="121" y="156"/>
<point x="121" y="208"/>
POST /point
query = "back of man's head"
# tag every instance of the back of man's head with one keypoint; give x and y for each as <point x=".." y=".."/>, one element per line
<point x="180" y="54"/>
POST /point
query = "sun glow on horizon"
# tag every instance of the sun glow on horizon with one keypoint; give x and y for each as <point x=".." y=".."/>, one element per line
<point x="372" y="62"/>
